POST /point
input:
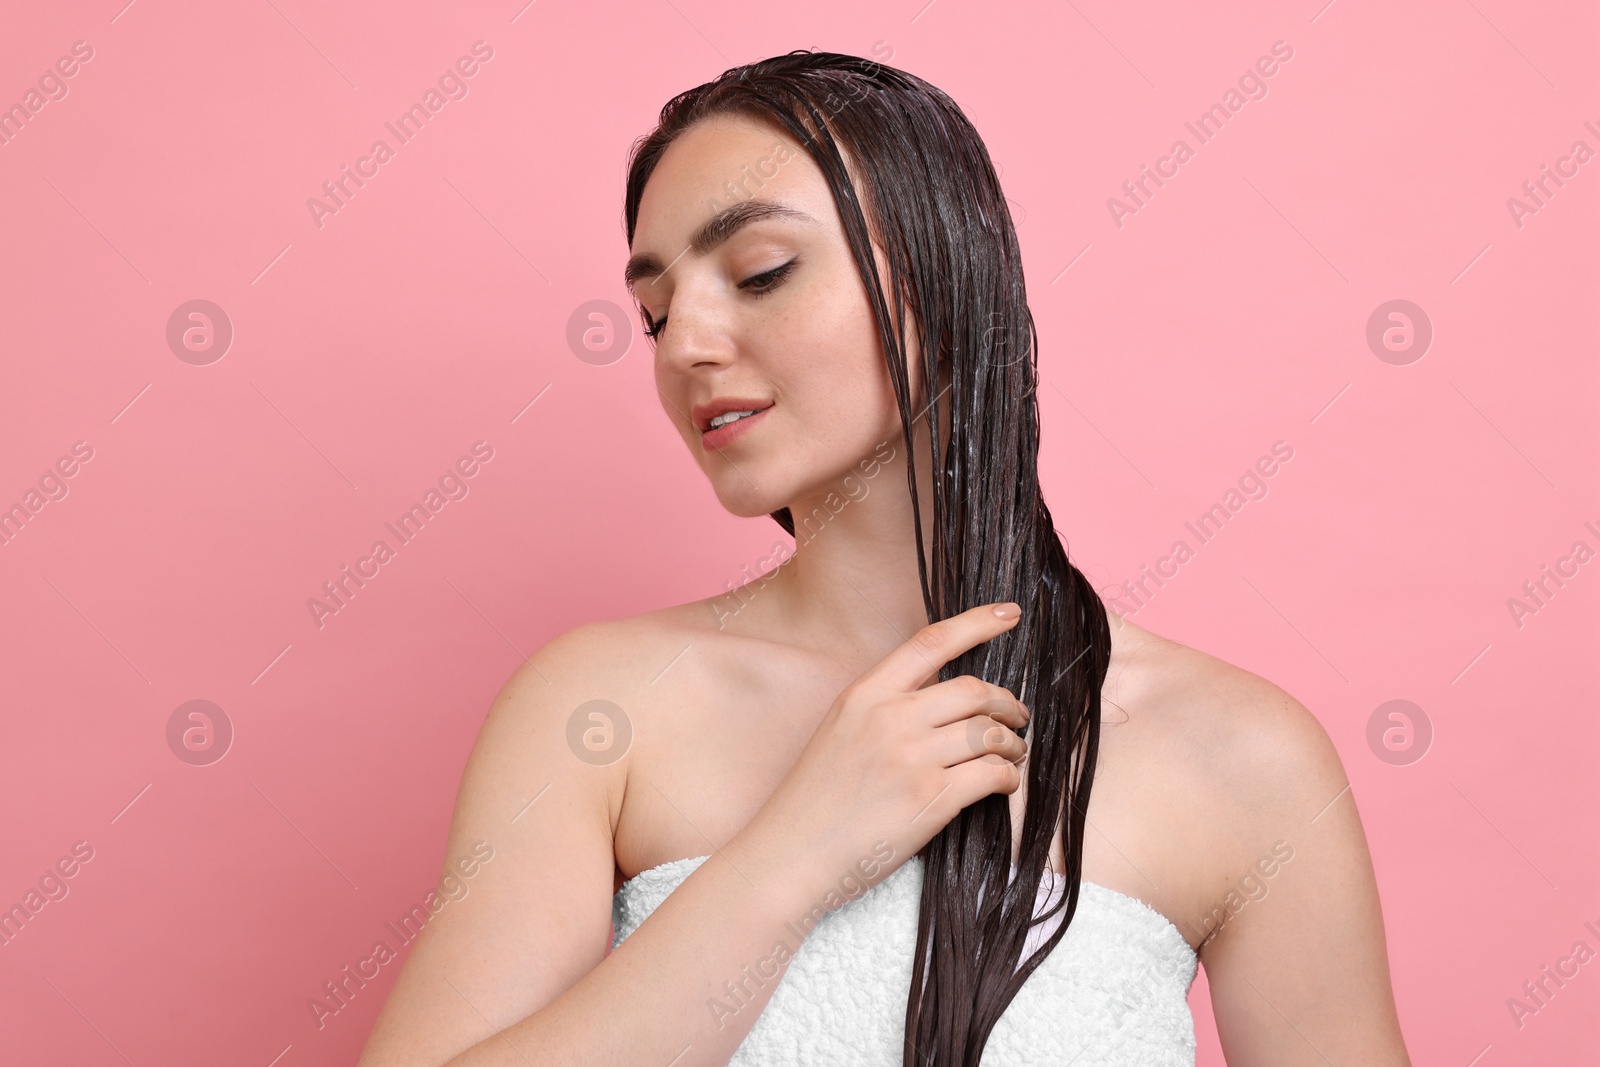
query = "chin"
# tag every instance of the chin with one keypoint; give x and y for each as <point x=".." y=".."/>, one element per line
<point x="749" y="509"/>
<point x="740" y="500"/>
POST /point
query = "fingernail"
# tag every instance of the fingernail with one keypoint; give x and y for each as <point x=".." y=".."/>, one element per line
<point x="1007" y="610"/>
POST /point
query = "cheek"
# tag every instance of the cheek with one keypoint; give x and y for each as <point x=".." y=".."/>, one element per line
<point x="854" y="407"/>
<point x="670" y="403"/>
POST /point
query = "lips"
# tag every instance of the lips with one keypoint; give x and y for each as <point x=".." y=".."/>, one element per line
<point x="726" y="434"/>
<point x="704" y="413"/>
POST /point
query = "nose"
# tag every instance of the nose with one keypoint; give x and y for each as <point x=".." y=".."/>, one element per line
<point x="696" y="337"/>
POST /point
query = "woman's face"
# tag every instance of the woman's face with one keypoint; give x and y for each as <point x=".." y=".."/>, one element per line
<point x="768" y="315"/>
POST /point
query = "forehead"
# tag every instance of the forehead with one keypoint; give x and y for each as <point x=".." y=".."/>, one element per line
<point x="718" y="162"/>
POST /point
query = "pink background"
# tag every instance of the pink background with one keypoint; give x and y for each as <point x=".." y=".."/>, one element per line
<point x="369" y="354"/>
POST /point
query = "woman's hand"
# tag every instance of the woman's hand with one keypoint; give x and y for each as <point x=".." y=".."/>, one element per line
<point x="891" y="763"/>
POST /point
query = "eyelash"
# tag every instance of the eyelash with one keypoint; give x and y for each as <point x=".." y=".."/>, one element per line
<point x="774" y="278"/>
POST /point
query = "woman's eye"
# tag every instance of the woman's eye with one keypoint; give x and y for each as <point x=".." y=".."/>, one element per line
<point x="756" y="285"/>
<point x="765" y="282"/>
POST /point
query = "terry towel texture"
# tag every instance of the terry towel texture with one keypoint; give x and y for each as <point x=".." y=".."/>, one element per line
<point x="1113" y="993"/>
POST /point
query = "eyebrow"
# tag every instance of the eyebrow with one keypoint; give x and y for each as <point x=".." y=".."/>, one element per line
<point x="721" y="226"/>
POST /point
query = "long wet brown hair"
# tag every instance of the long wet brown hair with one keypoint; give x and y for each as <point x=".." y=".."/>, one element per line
<point x="936" y="209"/>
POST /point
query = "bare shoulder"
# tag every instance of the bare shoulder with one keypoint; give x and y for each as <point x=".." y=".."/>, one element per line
<point x="606" y="659"/>
<point x="539" y="797"/>
<point x="1210" y="772"/>
<point x="606" y="653"/>
<point x="594" y="676"/>
<point x="1263" y="754"/>
<point x="1284" y="902"/>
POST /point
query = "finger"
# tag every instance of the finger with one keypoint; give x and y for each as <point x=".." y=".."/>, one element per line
<point x="975" y="738"/>
<point x="975" y="779"/>
<point x="936" y="644"/>
<point x="963" y="696"/>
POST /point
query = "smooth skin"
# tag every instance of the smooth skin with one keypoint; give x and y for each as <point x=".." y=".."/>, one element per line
<point x="798" y="729"/>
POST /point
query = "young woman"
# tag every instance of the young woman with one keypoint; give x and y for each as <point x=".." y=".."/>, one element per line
<point x="853" y="813"/>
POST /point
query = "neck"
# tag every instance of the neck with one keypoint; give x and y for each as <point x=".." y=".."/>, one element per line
<point x="852" y="585"/>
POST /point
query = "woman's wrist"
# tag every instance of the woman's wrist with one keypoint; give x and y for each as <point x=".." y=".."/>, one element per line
<point x="804" y="883"/>
<point x="771" y="868"/>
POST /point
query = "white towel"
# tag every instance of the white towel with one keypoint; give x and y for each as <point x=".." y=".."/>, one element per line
<point x="1113" y="992"/>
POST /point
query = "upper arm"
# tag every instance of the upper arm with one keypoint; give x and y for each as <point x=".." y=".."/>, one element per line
<point x="536" y="916"/>
<point x="1299" y="973"/>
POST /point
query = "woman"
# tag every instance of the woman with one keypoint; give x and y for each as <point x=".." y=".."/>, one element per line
<point x="834" y="842"/>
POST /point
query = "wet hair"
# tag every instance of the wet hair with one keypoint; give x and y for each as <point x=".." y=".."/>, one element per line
<point x="932" y="201"/>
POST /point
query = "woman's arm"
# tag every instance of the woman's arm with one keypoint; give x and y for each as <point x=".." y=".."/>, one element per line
<point x="1299" y="973"/>
<point x="515" y="972"/>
